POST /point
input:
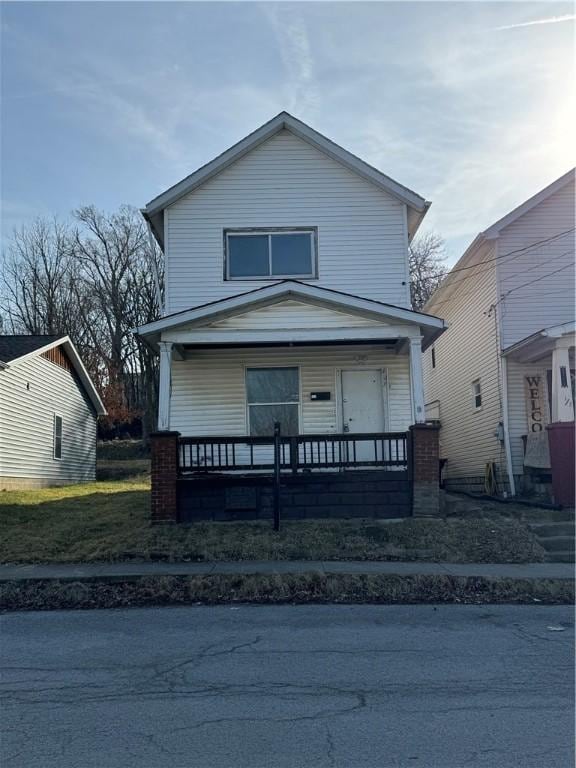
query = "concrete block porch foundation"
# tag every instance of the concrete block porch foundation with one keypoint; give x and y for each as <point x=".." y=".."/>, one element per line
<point x="356" y="493"/>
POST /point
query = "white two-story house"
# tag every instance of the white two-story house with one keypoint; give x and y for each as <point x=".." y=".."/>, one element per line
<point x="501" y="379"/>
<point x="287" y="302"/>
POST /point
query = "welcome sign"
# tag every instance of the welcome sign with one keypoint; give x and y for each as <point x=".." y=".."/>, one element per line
<point x="535" y="404"/>
<point x="537" y="453"/>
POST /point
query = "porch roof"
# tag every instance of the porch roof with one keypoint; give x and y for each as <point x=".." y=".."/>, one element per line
<point x="407" y="322"/>
<point x="539" y="344"/>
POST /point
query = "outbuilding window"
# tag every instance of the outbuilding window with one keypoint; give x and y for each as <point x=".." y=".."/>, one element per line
<point x="57" y="436"/>
<point x="273" y="253"/>
<point x="477" y="394"/>
<point x="273" y="394"/>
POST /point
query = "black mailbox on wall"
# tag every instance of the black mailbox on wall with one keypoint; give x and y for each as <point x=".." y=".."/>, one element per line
<point x="320" y="395"/>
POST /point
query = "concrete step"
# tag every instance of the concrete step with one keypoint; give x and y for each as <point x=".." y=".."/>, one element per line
<point x="545" y="530"/>
<point x="558" y="543"/>
<point x="560" y="557"/>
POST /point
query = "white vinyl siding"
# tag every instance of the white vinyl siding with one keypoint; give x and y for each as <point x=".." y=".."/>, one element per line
<point x="294" y="314"/>
<point x="466" y="352"/>
<point x="31" y="393"/>
<point x="209" y="396"/>
<point x="286" y="182"/>
<point x="550" y="300"/>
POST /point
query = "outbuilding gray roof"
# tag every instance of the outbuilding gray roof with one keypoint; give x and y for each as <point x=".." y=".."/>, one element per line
<point x="14" y="346"/>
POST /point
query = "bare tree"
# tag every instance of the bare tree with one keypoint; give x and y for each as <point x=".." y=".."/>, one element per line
<point x="38" y="276"/>
<point x="427" y="267"/>
<point x="94" y="282"/>
<point x="116" y="272"/>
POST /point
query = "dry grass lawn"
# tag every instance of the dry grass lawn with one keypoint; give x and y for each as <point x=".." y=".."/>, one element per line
<point x="280" y="588"/>
<point x="109" y="521"/>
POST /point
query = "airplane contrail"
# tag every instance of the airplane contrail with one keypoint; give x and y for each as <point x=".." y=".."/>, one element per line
<point x="550" y="20"/>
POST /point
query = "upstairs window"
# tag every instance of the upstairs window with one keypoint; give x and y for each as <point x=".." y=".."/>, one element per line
<point x="477" y="394"/>
<point x="57" y="437"/>
<point x="273" y="253"/>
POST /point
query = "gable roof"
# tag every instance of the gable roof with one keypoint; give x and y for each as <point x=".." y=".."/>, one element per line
<point x="15" y="349"/>
<point x="14" y="346"/>
<point x="154" y="210"/>
<point x="430" y="325"/>
<point x="493" y="232"/>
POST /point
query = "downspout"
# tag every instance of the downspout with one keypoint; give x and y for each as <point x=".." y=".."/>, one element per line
<point x="503" y="375"/>
<point x="505" y="422"/>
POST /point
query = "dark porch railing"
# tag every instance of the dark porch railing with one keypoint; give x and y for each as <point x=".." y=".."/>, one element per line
<point x="387" y="450"/>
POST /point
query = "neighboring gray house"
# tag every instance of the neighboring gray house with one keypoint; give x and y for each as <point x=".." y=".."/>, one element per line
<point x="48" y="412"/>
<point x="500" y="375"/>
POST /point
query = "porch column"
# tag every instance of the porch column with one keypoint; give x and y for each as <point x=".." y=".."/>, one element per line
<point x="164" y="475"/>
<point x="561" y="430"/>
<point x="425" y="470"/>
<point x="165" y="386"/>
<point x="562" y="403"/>
<point x="417" y="380"/>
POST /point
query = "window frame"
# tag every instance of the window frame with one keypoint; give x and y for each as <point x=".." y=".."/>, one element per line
<point x="271" y="231"/>
<point x="477" y="394"/>
<point x="247" y="404"/>
<point x="55" y="436"/>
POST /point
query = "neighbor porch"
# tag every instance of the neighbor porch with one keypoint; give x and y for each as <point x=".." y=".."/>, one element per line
<point x="540" y="383"/>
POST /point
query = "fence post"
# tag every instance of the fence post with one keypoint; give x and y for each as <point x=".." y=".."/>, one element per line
<point x="294" y="455"/>
<point x="277" y="449"/>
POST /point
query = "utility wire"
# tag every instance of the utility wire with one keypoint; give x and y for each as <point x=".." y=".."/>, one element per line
<point x="531" y="282"/>
<point x="475" y="293"/>
<point x="482" y="271"/>
<point x="510" y="253"/>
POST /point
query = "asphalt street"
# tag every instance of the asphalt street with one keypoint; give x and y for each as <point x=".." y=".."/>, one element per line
<point x="289" y="687"/>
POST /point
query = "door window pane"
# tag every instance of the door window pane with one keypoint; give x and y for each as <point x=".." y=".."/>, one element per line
<point x="272" y="385"/>
<point x="248" y="256"/>
<point x="263" y="417"/>
<point x="292" y="254"/>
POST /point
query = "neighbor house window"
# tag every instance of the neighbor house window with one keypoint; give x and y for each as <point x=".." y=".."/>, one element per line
<point x="57" y="437"/>
<point x="477" y="394"/>
<point x="273" y="395"/>
<point x="263" y="254"/>
<point x="433" y="358"/>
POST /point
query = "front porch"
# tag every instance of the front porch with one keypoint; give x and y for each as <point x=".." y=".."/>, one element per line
<point x="341" y="376"/>
<point x="372" y="475"/>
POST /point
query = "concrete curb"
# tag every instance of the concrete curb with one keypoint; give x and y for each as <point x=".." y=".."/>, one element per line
<point x="136" y="571"/>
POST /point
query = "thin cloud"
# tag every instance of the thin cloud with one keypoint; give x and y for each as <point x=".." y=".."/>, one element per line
<point x="296" y="52"/>
<point x="535" y="22"/>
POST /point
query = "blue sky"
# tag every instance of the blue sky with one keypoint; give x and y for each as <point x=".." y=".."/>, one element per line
<point x="110" y="103"/>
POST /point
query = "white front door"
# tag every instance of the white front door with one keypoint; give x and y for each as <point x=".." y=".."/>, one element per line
<point x="363" y="401"/>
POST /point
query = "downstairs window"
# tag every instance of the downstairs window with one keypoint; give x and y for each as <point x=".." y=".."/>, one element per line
<point x="272" y="394"/>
